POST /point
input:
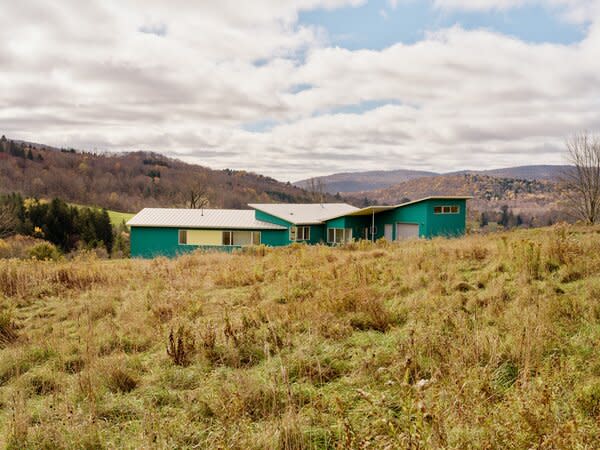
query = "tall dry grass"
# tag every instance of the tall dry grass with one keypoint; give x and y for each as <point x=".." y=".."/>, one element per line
<point x="480" y="342"/>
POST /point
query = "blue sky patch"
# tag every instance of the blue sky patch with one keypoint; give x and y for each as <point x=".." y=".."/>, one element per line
<point x="376" y="25"/>
<point x="359" y="108"/>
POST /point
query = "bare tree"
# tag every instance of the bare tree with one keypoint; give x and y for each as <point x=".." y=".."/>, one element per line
<point x="317" y="189"/>
<point x="198" y="195"/>
<point x="582" y="182"/>
<point x="8" y="221"/>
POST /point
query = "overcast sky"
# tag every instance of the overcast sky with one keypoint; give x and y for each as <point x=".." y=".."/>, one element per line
<point x="293" y="89"/>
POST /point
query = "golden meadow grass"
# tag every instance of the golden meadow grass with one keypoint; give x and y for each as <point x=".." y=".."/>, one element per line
<point x="480" y="342"/>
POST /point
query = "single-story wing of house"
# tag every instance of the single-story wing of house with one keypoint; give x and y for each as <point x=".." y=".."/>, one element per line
<point x="171" y="232"/>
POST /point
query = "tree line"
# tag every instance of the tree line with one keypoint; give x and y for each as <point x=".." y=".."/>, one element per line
<point x="68" y="227"/>
<point x="132" y="181"/>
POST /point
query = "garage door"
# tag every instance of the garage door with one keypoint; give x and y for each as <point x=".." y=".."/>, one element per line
<point x="407" y="231"/>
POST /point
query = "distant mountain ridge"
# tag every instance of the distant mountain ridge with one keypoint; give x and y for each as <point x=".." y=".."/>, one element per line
<point x="359" y="182"/>
<point x="363" y="181"/>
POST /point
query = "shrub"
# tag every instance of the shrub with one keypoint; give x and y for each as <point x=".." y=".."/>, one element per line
<point x="8" y="329"/>
<point x="44" y="251"/>
<point x="588" y="399"/>
<point x="506" y="375"/>
<point x="42" y="384"/>
<point x="180" y="346"/>
<point x="120" y="380"/>
<point x="73" y="364"/>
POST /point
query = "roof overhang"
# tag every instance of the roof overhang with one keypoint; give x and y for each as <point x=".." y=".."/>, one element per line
<point x="370" y="210"/>
<point x="266" y="227"/>
<point x="288" y="218"/>
<point x="436" y="197"/>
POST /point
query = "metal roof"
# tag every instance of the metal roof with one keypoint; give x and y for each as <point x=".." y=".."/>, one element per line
<point x="304" y="213"/>
<point x="366" y="211"/>
<point x="237" y="219"/>
<point x="437" y="197"/>
<point x="369" y="210"/>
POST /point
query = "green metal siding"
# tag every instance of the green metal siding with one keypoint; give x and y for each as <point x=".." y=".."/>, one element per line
<point x="275" y="238"/>
<point x="415" y="213"/>
<point x="450" y="225"/>
<point x="430" y="224"/>
<point x="264" y="217"/>
<point x="357" y="223"/>
<point x="149" y="242"/>
<point x="317" y="232"/>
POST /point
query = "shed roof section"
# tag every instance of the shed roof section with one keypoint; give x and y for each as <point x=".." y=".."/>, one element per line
<point x="369" y="210"/>
<point x="437" y="197"/>
<point x="200" y="218"/>
<point x="304" y="213"/>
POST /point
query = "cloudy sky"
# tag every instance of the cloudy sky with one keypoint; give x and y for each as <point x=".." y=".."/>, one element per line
<point x="296" y="88"/>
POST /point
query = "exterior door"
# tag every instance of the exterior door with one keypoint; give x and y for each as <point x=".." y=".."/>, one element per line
<point x="388" y="232"/>
<point x="407" y="231"/>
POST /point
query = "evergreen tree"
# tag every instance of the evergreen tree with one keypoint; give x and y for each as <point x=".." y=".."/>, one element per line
<point x="30" y="155"/>
<point x="16" y="150"/>
<point x="59" y="225"/>
<point x="104" y="230"/>
<point x="483" y="221"/>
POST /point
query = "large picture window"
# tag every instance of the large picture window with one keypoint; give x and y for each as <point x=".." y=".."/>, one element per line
<point x="300" y="234"/>
<point x="454" y="209"/>
<point x="218" y="237"/>
<point x="241" y="238"/>
<point x="339" y="235"/>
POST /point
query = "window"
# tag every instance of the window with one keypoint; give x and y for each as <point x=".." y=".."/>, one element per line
<point x="369" y="230"/>
<point x="300" y="234"/>
<point x="182" y="237"/>
<point x="454" y="209"/>
<point x="339" y="235"/>
<point x="241" y="238"/>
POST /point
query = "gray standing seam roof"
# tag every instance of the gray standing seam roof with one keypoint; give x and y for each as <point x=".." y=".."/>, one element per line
<point x="304" y="213"/>
<point x="235" y="219"/>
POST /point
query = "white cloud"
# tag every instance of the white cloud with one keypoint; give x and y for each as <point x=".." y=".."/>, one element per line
<point x="578" y="11"/>
<point x="186" y="80"/>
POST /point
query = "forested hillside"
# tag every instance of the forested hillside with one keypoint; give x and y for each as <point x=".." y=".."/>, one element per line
<point x="539" y="202"/>
<point x="353" y="182"/>
<point x="131" y="181"/>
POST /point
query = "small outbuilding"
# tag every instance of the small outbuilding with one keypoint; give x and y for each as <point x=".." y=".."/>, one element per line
<point x="171" y="232"/>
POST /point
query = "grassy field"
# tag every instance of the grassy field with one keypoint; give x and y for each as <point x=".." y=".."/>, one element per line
<point x="484" y="342"/>
<point x="116" y="217"/>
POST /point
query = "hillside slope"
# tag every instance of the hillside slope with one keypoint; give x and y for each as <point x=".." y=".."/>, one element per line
<point x="131" y="181"/>
<point x="375" y="180"/>
<point x="362" y="181"/>
<point x="480" y="342"/>
<point x="489" y="192"/>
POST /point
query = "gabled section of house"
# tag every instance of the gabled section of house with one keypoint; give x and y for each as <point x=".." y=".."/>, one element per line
<point x="170" y="232"/>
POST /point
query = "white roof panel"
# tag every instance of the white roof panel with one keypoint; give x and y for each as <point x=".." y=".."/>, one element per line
<point x="200" y="218"/>
<point x="304" y="213"/>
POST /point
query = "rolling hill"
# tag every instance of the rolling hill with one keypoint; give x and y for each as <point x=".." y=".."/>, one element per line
<point x="534" y="198"/>
<point x="363" y="181"/>
<point x="131" y="181"/>
<point x="353" y="182"/>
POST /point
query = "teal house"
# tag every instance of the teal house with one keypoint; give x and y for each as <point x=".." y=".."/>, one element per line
<point x="171" y="232"/>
